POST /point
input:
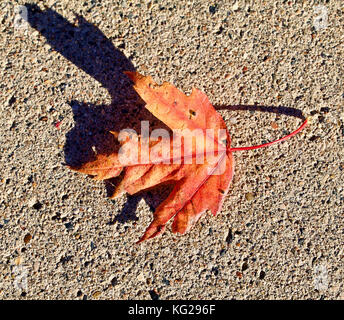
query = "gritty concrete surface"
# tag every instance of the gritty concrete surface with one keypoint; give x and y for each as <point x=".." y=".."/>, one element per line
<point x="280" y="234"/>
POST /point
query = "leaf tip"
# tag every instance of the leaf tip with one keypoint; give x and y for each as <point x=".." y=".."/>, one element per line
<point x="152" y="231"/>
<point x="131" y="75"/>
<point x="115" y="134"/>
<point x="118" y="192"/>
<point x="72" y="167"/>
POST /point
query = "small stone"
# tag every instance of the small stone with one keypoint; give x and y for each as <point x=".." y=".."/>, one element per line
<point x="96" y="294"/>
<point x="114" y="281"/>
<point x="11" y="100"/>
<point x="154" y="295"/>
<point x="249" y="196"/>
<point x="229" y="237"/>
<point x="274" y="125"/>
<point x="27" y="238"/>
<point x="233" y="120"/>
<point x="213" y="9"/>
<point x="141" y="277"/>
<point x="32" y="202"/>
<point x="314" y="138"/>
<point x="69" y="226"/>
<point x="215" y="270"/>
<point x="36" y="266"/>
<point x="18" y="260"/>
<point x="37" y="206"/>
<point x="235" y="6"/>
<point x="261" y="275"/>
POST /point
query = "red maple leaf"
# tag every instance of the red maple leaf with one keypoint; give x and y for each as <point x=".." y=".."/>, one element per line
<point x="198" y="185"/>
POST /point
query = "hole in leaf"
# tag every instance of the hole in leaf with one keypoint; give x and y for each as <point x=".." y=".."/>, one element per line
<point x="192" y="113"/>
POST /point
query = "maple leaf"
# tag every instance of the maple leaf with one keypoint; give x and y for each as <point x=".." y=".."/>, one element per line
<point x="198" y="186"/>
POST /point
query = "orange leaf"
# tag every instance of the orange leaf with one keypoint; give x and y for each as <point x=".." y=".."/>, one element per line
<point x="198" y="185"/>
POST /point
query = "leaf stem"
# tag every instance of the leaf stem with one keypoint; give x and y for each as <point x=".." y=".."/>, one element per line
<point x="272" y="142"/>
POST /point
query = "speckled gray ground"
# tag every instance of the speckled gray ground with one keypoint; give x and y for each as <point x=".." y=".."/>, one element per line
<point x="280" y="234"/>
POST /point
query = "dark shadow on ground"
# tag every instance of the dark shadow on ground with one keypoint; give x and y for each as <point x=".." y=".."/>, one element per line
<point x="83" y="44"/>
<point x="152" y="198"/>
<point x="288" y="111"/>
<point x="89" y="49"/>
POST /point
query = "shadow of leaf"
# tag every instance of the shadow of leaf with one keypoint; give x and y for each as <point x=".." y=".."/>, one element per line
<point x="89" y="49"/>
<point x="288" y="111"/>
